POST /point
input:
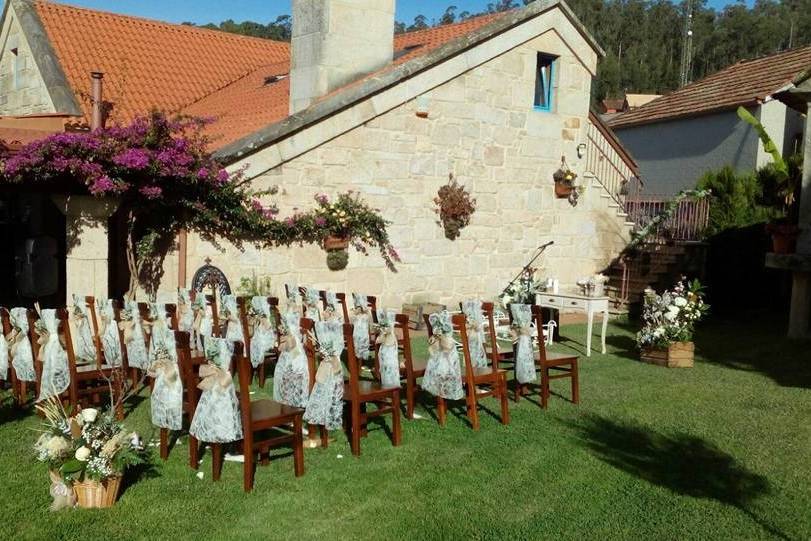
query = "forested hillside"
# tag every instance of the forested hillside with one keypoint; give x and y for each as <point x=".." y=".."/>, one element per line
<point x="643" y="39"/>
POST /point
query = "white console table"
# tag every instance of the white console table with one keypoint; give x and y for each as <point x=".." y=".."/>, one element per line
<point x="578" y="303"/>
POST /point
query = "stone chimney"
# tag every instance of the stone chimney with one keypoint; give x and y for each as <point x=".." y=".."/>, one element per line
<point x="336" y="42"/>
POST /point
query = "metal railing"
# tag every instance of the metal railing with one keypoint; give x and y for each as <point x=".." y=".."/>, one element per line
<point x="611" y="164"/>
<point x="687" y="223"/>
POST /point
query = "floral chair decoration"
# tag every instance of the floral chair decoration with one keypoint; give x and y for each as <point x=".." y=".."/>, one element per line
<point x="325" y="405"/>
<point x="19" y="345"/>
<point x="443" y="373"/>
<point x="84" y="346"/>
<point x="312" y="299"/>
<point x="4" y="375"/>
<point x="133" y="330"/>
<point x="361" y="318"/>
<point x="291" y="377"/>
<point x="388" y="356"/>
<point x="230" y="314"/>
<point x="332" y="308"/>
<point x="521" y="333"/>
<point x="55" y="378"/>
<point x="475" y="332"/>
<point x="167" y="392"/>
<point x="202" y="321"/>
<point x="262" y="329"/>
<point x="293" y="298"/>
<point x="217" y="417"/>
<point x="185" y="313"/>
<point x="108" y="331"/>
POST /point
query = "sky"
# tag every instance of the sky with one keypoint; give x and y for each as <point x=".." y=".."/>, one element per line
<point x="207" y="11"/>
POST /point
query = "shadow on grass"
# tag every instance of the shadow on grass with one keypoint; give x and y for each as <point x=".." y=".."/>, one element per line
<point x="681" y="463"/>
<point x="756" y="343"/>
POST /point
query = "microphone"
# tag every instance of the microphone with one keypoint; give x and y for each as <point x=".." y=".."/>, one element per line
<point x="548" y="244"/>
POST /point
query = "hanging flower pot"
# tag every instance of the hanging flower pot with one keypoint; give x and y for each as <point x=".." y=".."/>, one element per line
<point x="455" y="206"/>
<point x="337" y="259"/>
<point x="336" y="243"/>
<point x="563" y="191"/>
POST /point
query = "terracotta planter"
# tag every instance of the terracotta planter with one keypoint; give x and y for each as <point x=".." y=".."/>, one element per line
<point x="336" y="243"/>
<point x="678" y="355"/>
<point x="784" y="242"/>
<point x="563" y="190"/>
<point x="95" y="494"/>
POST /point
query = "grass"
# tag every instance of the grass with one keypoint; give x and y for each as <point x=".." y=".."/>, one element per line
<point x="719" y="451"/>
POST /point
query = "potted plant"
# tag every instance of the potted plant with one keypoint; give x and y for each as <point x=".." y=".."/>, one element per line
<point x="668" y="324"/>
<point x="455" y="207"/>
<point x="87" y="452"/>
<point x="565" y="186"/>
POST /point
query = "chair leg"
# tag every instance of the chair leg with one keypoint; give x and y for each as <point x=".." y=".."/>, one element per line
<point x="355" y="428"/>
<point x="298" y="448"/>
<point x="216" y="460"/>
<point x="544" y="387"/>
<point x="164" y="443"/>
<point x="324" y="437"/>
<point x="473" y="407"/>
<point x="505" y="406"/>
<point x="118" y="390"/>
<point x="194" y="452"/>
<point x="575" y="383"/>
<point x="410" y="390"/>
<point x="396" y="435"/>
<point x="248" y="469"/>
<point x="262" y="375"/>
<point x="440" y="407"/>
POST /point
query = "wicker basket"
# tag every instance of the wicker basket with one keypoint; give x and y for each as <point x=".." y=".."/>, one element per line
<point x="95" y="494"/>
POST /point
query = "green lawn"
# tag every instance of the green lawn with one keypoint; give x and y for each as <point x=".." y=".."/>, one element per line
<point x="721" y="451"/>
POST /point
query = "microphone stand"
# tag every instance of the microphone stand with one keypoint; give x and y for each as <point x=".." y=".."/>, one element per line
<point x="541" y="250"/>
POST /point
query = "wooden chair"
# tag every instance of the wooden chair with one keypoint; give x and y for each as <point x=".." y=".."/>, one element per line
<point x="360" y="393"/>
<point x="552" y="365"/>
<point x="496" y="352"/>
<point x="33" y="317"/>
<point x="273" y="355"/>
<point x="189" y="369"/>
<point x="91" y="381"/>
<point x="259" y="416"/>
<point x="341" y="297"/>
<point x="410" y="369"/>
<point x="307" y="327"/>
<point x="478" y="382"/>
<point x="131" y="372"/>
<point x="216" y="331"/>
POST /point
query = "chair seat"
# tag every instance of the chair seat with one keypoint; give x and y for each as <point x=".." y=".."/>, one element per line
<point x="369" y="389"/>
<point x="482" y="373"/>
<point x="557" y="358"/>
<point x="266" y="409"/>
<point x="87" y="368"/>
<point x="418" y="367"/>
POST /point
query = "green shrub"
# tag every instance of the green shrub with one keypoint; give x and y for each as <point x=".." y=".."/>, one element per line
<point x="736" y="200"/>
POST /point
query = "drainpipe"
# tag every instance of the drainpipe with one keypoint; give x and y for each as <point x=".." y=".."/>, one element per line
<point x="97" y="120"/>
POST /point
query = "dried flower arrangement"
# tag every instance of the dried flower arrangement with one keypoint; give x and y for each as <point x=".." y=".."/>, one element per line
<point x="455" y="206"/>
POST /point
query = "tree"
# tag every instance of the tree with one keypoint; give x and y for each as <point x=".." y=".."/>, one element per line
<point x="449" y="17"/>
<point x="165" y="180"/>
<point x="420" y="23"/>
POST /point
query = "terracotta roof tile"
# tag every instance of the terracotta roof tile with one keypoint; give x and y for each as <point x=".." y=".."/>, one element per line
<point x="744" y="83"/>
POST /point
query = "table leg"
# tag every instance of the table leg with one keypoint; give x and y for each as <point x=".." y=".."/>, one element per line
<point x="605" y="327"/>
<point x="588" y="332"/>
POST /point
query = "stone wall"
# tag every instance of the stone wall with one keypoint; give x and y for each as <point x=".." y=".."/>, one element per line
<point x="482" y="128"/>
<point x="22" y="90"/>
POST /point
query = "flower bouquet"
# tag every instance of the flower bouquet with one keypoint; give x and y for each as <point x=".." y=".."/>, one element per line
<point x="87" y="454"/>
<point x="669" y="321"/>
<point x="455" y="206"/>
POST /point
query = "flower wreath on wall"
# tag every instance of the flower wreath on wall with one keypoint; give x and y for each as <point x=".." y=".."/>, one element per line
<point x="160" y="171"/>
<point x="455" y="206"/>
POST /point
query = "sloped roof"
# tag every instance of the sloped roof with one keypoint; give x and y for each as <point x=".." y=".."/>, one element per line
<point x="746" y="83"/>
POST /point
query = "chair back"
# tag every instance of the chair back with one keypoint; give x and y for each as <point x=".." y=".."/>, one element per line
<point x="340" y="297"/>
<point x="63" y="316"/>
<point x="189" y="368"/>
<point x="5" y="328"/>
<point x="351" y="360"/>
<point x="211" y="300"/>
<point x="404" y="343"/>
<point x="32" y="317"/>
<point x="372" y="300"/>
<point x="537" y="317"/>
<point x="306" y="328"/>
<point x="244" y="375"/>
<point x="460" y="325"/>
<point x="489" y="309"/>
<point x="90" y="301"/>
<point x="117" y="307"/>
<point x="242" y="307"/>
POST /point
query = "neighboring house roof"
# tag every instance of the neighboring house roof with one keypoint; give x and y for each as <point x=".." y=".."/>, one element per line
<point x="638" y="100"/>
<point x="745" y="83"/>
<point x="612" y="104"/>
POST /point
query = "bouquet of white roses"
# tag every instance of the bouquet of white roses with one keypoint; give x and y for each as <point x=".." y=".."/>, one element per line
<point x="671" y="316"/>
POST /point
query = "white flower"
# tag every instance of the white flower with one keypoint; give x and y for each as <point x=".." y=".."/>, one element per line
<point x="89" y="415"/>
<point x="82" y="454"/>
<point x="680" y="301"/>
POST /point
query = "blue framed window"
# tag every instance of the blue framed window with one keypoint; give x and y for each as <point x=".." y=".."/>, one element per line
<point x="544" y="82"/>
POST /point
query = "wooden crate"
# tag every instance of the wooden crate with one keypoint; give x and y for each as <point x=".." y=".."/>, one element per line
<point x="416" y="311"/>
<point x="678" y="355"/>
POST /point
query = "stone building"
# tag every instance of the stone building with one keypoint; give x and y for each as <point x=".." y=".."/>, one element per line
<point x="497" y="101"/>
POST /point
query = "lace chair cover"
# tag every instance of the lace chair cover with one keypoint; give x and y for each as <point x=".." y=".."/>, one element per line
<point x="443" y="374"/>
<point x="475" y="332"/>
<point x="19" y="345"/>
<point x="263" y="335"/>
<point x="167" y="392"/>
<point x="325" y="405"/>
<point x="134" y="339"/>
<point x="55" y="373"/>
<point x="311" y="300"/>
<point x="293" y="298"/>
<point x="233" y="325"/>
<point x="360" y="325"/>
<point x="522" y="336"/>
<point x="83" y="346"/>
<point x="291" y="377"/>
<point x="217" y="417"/>
<point x="333" y="309"/>
<point x="202" y="322"/>
<point x="3" y="357"/>
<point x="108" y="328"/>
<point x="388" y="355"/>
<point x="185" y="313"/>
